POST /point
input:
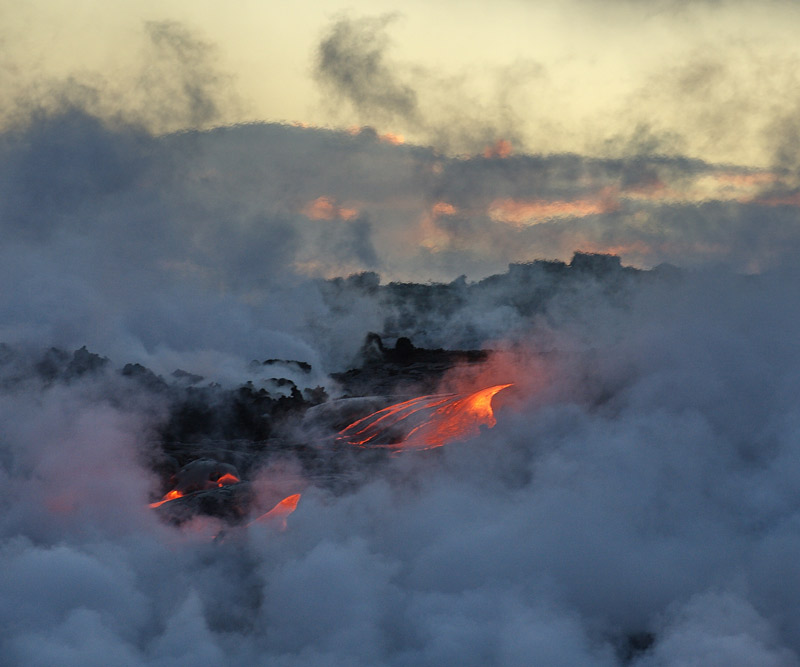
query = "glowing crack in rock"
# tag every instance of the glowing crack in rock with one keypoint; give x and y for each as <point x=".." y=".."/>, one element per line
<point x="424" y="422"/>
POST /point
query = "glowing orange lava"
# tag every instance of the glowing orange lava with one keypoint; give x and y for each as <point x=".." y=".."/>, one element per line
<point x="172" y="495"/>
<point x="279" y="513"/>
<point x="227" y="478"/>
<point x="424" y="422"/>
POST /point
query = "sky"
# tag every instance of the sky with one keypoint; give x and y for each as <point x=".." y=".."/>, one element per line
<point x="658" y="131"/>
<point x="711" y="80"/>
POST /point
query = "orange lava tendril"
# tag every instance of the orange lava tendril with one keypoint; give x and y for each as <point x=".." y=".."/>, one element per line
<point x="172" y="495"/>
<point x="227" y="479"/>
<point x="279" y="513"/>
<point x="428" y="421"/>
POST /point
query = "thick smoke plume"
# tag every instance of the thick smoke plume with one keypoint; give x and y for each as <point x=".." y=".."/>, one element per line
<point x="633" y="504"/>
<point x="636" y="502"/>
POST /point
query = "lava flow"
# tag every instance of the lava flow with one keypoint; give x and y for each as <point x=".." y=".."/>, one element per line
<point x="227" y="479"/>
<point x="171" y="495"/>
<point x="279" y="513"/>
<point x="424" y="422"/>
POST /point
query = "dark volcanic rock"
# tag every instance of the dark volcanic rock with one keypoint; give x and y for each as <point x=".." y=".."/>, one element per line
<point x="52" y="364"/>
<point x="84" y="362"/>
<point x="402" y="369"/>
<point x="302" y="366"/>
<point x="597" y="264"/>
<point x="528" y="289"/>
<point x="228" y="414"/>
<point x="231" y="502"/>
<point x="58" y="364"/>
<point x="187" y="378"/>
<point x="145" y="377"/>
<point x="331" y="417"/>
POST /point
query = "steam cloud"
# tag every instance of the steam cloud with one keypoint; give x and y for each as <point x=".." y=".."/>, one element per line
<point x="636" y="503"/>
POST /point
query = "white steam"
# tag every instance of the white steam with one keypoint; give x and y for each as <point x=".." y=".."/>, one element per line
<point x="637" y="501"/>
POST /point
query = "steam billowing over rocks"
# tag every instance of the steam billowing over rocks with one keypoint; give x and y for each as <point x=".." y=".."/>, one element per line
<point x="170" y="324"/>
<point x="633" y="505"/>
<point x="207" y="430"/>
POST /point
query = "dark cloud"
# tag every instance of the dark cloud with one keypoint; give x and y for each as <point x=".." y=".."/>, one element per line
<point x="226" y="213"/>
<point x="103" y="219"/>
<point x="351" y="64"/>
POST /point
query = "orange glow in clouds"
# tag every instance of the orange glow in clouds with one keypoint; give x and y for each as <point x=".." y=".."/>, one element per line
<point x="443" y="208"/>
<point x="735" y="186"/>
<point x="781" y="200"/>
<point x="387" y="137"/>
<point x="434" y="237"/>
<point x="392" y="138"/>
<point x="525" y="212"/>
<point x="326" y="208"/>
<point x="500" y="148"/>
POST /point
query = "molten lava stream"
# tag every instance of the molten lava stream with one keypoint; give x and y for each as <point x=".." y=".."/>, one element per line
<point x="171" y="495"/>
<point x="428" y="421"/>
<point x="379" y="422"/>
<point x="227" y="478"/>
<point x="279" y="513"/>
